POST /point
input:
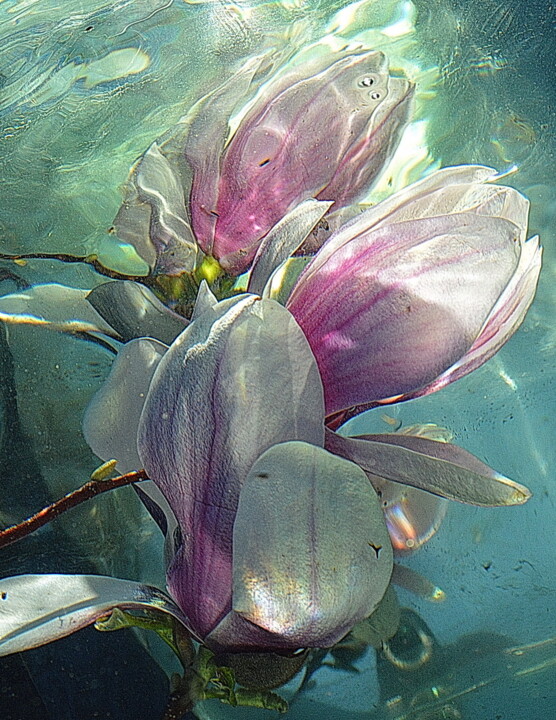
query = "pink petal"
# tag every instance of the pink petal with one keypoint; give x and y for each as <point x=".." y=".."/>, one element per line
<point x="239" y="379"/>
<point x="505" y="318"/>
<point x="297" y="138"/>
<point x="395" y="307"/>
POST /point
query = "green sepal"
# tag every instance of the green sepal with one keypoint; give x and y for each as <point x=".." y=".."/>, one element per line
<point x="220" y="683"/>
<point x="160" y="623"/>
<point x="262" y="699"/>
<point x="204" y="664"/>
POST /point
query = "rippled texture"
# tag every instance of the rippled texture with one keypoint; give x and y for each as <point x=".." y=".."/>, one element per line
<point x="88" y="86"/>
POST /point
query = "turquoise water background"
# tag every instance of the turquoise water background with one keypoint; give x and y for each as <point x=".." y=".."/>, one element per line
<point x="86" y="86"/>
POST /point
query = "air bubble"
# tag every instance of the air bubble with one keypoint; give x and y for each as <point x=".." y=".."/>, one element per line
<point x="375" y="96"/>
<point x="367" y="82"/>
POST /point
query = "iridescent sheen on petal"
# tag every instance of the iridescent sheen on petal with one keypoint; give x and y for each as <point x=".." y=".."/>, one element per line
<point x="238" y="380"/>
<point x="312" y="554"/>
<point x="412" y="515"/>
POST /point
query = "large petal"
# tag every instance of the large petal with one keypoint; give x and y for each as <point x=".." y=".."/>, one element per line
<point x="437" y="467"/>
<point x="312" y="554"/>
<point x="289" y="147"/>
<point x="112" y="417"/>
<point x="239" y="379"/>
<point x="134" y="311"/>
<point x="391" y="310"/>
<point x="436" y="194"/>
<point x="37" y="609"/>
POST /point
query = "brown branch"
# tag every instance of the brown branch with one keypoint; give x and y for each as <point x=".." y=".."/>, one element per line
<point x="91" y="260"/>
<point x="90" y="490"/>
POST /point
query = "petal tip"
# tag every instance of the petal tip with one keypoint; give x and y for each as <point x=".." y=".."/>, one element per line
<point x="518" y="494"/>
<point x="437" y="595"/>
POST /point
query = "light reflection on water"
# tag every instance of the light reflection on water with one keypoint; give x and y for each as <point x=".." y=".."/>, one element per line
<point x="87" y="86"/>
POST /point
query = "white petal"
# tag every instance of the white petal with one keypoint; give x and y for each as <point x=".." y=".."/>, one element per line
<point x="112" y="417"/>
<point x="312" y="555"/>
<point x="36" y="609"/>
<point x="55" y="306"/>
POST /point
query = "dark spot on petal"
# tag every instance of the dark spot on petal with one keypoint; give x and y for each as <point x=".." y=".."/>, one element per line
<point x="89" y="28"/>
<point x="4" y="596"/>
<point x="376" y="548"/>
<point x="264" y="162"/>
<point x="214" y="213"/>
<point x="263" y="476"/>
<point x="177" y="537"/>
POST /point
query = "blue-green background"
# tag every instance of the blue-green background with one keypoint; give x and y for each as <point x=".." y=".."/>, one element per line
<point x="66" y="145"/>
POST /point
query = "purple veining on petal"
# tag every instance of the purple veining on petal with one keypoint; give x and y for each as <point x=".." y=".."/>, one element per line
<point x="390" y="311"/>
<point x="273" y="162"/>
<point x="239" y="379"/>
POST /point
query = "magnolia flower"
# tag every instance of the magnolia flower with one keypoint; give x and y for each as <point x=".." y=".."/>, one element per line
<point x="232" y="434"/>
<point x="263" y="549"/>
<point x="318" y="127"/>
<point x="273" y="541"/>
<point x="419" y="290"/>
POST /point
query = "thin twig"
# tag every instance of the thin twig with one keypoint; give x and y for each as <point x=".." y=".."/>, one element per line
<point x="91" y="260"/>
<point x="90" y="490"/>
